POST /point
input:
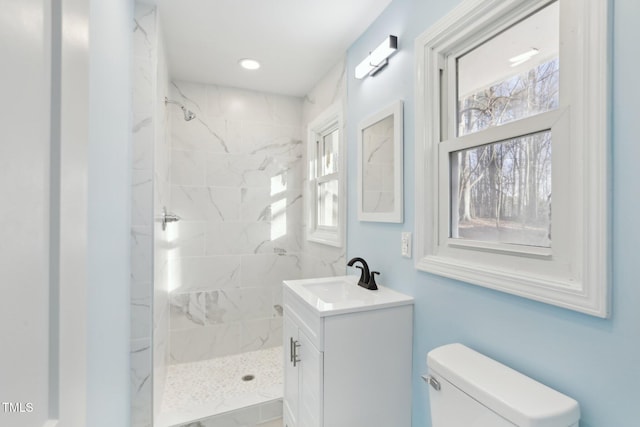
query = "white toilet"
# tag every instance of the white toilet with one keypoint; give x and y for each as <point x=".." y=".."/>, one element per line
<point x="467" y="389"/>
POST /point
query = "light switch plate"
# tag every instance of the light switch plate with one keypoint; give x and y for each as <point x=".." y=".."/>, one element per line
<point x="405" y="248"/>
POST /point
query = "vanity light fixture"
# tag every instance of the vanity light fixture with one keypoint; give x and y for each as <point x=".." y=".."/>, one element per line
<point x="378" y="58"/>
<point x="249" y="64"/>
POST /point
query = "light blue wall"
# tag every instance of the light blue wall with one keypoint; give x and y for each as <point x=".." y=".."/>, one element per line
<point x="595" y="361"/>
<point x="109" y="183"/>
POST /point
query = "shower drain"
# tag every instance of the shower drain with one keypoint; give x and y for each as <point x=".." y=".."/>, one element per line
<point x="248" y="377"/>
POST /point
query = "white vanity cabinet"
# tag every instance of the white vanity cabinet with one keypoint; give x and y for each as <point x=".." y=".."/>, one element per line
<point x="347" y="354"/>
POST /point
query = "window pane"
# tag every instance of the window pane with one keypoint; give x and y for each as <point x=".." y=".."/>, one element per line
<point x="328" y="154"/>
<point x="511" y="76"/>
<point x="328" y="204"/>
<point x="501" y="192"/>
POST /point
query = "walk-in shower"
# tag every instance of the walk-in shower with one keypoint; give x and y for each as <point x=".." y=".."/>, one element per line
<point x="206" y="340"/>
<point x="234" y="177"/>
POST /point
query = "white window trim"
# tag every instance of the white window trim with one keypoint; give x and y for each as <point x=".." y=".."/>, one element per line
<point x="330" y="119"/>
<point x="584" y="56"/>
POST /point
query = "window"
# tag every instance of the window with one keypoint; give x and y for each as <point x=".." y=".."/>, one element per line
<point x="325" y="209"/>
<point x="511" y="149"/>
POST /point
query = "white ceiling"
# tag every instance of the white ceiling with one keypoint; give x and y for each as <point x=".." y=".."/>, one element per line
<point x="296" y="41"/>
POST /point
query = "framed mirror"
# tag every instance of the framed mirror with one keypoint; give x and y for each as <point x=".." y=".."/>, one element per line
<point x="380" y="158"/>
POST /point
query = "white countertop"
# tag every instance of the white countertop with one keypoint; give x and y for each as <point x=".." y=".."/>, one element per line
<point x="329" y="296"/>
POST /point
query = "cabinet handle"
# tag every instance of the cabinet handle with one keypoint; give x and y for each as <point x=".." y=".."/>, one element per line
<point x="294" y="348"/>
<point x="291" y="350"/>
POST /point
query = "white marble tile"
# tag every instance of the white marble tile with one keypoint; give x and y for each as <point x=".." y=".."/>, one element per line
<point x="161" y="311"/>
<point x="206" y="203"/>
<point x="160" y="302"/>
<point x="144" y="31"/>
<point x="160" y="358"/>
<point x="204" y="308"/>
<point x="192" y="95"/>
<point x="259" y="204"/>
<point x="276" y="301"/>
<point x="292" y="241"/>
<point x="329" y="90"/>
<point x="201" y="343"/>
<point x="238" y="104"/>
<point x="238" y="238"/>
<point x="224" y="306"/>
<point x="142" y="198"/>
<point x="188" y="239"/>
<point x="188" y="309"/>
<point x="228" y="170"/>
<point x="204" y="273"/>
<point x="255" y="303"/>
<point x="141" y="383"/>
<point x="256" y="204"/>
<point x="261" y="333"/>
<point x="188" y="168"/>
<point x="269" y="269"/>
<point x="162" y="189"/>
<point x="323" y="261"/>
<point x="253" y="170"/>
<point x="141" y="255"/>
<point x="142" y="141"/>
<point x="285" y="110"/>
<point x="199" y="133"/>
<point x="141" y="322"/>
<point x="271" y="139"/>
<point x="143" y="88"/>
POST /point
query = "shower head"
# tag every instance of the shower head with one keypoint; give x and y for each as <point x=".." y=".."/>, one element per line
<point x="188" y="114"/>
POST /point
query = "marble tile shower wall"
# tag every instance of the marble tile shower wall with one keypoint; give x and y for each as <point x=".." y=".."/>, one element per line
<point x="161" y="199"/>
<point x="144" y="36"/>
<point x="150" y="153"/>
<point x="236" y="174"/>
<point x="322" y="260"/>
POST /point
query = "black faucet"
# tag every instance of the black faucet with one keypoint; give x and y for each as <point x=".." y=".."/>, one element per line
<point x="367" y="280"/>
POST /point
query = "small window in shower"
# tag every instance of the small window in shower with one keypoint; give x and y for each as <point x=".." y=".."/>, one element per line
<point x="325" y="206"/>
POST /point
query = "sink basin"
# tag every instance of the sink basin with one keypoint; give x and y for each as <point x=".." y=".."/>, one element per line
<point x="335" y="291"/>
<point x="335" y="295"/>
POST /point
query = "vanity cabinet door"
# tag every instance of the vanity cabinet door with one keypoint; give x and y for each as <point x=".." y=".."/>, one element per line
<point x="310" y="382"/>
<point x="290" y="401"/>
<point x="303" y="376"/>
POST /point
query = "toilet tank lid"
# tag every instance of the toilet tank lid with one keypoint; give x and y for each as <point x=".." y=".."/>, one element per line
<point x="516" y="397"/>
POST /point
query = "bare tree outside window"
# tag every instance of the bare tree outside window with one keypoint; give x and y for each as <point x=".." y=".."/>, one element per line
<point x="503" y="190"/>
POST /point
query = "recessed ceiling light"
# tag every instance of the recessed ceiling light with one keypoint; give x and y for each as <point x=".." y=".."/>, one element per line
<point x="249" y="64"/>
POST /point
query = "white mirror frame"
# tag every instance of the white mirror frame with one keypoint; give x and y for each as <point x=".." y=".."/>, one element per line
<point x="397" y="214"/>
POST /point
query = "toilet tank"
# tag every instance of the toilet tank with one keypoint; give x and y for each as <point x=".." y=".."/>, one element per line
<point x="468" y="389"/>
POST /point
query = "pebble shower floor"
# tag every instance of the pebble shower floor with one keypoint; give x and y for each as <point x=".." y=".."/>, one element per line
<point x="215" y="392"/>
